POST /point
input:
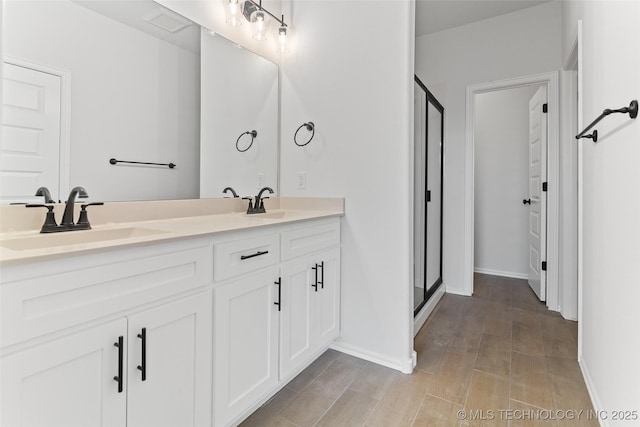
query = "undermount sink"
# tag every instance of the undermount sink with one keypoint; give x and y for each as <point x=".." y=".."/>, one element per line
<point x="43" y="241"/>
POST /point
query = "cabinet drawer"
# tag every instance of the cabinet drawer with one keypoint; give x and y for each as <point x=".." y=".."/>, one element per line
<point x="242" y="256"/>
<point x="100" y="285"/>
<point x="303" y="241"/>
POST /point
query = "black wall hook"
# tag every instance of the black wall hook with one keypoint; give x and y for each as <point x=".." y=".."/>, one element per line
<point x="632" y="110"/>
<point x="310" y="127"/>
<point x="253" y="134"/>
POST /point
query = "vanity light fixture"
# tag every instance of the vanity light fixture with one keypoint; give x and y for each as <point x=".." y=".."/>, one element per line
<point x="234" y="14"/>
<point x="259" y="18"/>
<point x="260" y="25"/>
<point x="282" y="38"/>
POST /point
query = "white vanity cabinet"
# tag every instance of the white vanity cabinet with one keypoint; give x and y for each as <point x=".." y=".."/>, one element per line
<point x="246" y="344"/>
<point x="66" y="382"/>
<point x="310" y="316"/>
<point x="193" y="331"/>
<point x="276" y="316"/>
<point x="78" y="362"/>
<point x="171" y="345"/>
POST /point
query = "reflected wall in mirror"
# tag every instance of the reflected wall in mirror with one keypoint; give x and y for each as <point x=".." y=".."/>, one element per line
<point x="87" y="81"/>
<point x="239" y="96"/>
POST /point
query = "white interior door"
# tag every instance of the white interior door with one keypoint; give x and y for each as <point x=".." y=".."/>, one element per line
<point x="537" y="198"/>
<point x="30" y="148"/>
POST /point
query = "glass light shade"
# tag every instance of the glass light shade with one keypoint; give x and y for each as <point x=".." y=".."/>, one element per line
<point x="234" y="12"/>
<point x="260" y="25"/>
<point x="282" y="40"/>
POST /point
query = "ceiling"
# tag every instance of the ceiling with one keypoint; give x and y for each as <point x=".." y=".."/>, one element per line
<point x="437" y="15"/>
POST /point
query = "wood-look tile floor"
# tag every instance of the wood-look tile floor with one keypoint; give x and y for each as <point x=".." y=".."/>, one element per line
<point x="499" y="358"/>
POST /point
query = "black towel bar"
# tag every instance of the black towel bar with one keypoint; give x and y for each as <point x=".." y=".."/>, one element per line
<point x="114" y="161"/>
<point x="632" y="109"/>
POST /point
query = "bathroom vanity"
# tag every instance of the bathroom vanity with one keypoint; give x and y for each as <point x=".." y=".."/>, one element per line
<point x="178" y="321"/>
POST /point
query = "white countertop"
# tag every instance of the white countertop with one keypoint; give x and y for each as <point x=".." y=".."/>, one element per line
<point x="20" y="247"/>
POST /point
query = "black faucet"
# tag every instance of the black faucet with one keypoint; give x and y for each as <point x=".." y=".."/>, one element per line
<point x="258" y="206"/>
<point x="44" y="191"/>
<point x="67" y="217"/>
<point x="67" y="224"/>
<point x="235" y="195"/>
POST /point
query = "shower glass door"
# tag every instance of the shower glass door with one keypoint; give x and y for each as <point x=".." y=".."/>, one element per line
<point x="428" y="143"/>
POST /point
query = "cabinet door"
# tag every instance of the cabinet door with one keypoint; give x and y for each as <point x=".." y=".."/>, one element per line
<point x="173" y="345"/>
<point x="246" y="344"/>
<point x="67" y="382"/>
<point x="297" y="314"/>
<point x="328" y="298"/>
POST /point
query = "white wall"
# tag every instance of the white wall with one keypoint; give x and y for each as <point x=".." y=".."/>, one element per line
<point x="501" y="181"/>
<point x="610" y="177"/>
<point x="356" y="84"/>
<point x="128" y="102"/>
<point x="517" y="44"/>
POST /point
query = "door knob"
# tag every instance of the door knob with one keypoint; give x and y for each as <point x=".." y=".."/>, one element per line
<point x="526" y="201"/>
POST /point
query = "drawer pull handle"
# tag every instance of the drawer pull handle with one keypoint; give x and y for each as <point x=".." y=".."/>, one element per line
<point x="120" y="346"/>
<point x="279" y="283"/>
<point x="322" y="275"/>
<point x="143" y="364"/>
<point x="315" y="284"/>
<point x="243" y="257"/>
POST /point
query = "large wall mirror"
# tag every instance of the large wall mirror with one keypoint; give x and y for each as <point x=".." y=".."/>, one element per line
<point x="88" y="81"/>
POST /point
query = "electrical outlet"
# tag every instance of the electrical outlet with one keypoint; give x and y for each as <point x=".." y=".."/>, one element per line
<point x="302" y="180"/>
<point x="260" y="181"/>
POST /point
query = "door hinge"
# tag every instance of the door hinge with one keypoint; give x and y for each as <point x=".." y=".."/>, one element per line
<point x="545" y="108"/>
<point x="544" y="265"/>
<point x="544" y="186"/>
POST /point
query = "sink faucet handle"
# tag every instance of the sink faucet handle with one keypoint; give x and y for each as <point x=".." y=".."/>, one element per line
<point x="83" y="220"/>
<point x="50" y="224"/>
<point x="250" y="199"/>
<point x="262" y="202"/>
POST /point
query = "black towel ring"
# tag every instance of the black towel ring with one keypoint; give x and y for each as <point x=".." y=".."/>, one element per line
<point x="310" y="127"/>
<point x="253" y="134"/>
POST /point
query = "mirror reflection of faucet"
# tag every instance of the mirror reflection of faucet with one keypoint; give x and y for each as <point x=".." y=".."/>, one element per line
<point x="235" y="195"/>
<point x="67" y="224"/>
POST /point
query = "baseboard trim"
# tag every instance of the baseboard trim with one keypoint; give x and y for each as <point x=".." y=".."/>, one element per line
<point x="457" y="292"/>
<point x="595" y="400"/>
<point x="426" y="311"/>
<point x="406" y="367"/>
<point x="501" y="273"/>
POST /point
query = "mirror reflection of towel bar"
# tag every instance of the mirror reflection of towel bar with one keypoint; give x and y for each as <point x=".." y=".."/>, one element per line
<point x="114" y="162"/>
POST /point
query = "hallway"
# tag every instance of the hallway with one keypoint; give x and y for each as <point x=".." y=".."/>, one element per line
<point x="499" y="356"/>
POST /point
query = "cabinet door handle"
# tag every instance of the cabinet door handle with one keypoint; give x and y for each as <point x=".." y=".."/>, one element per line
<point x="243" y="257"/>
<point x="279" y="283"/>
<point x="315" y="284"/>
<point x="118" y="378"/>
<point x="322" y="275"/>
<point x="142" y="367"/>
